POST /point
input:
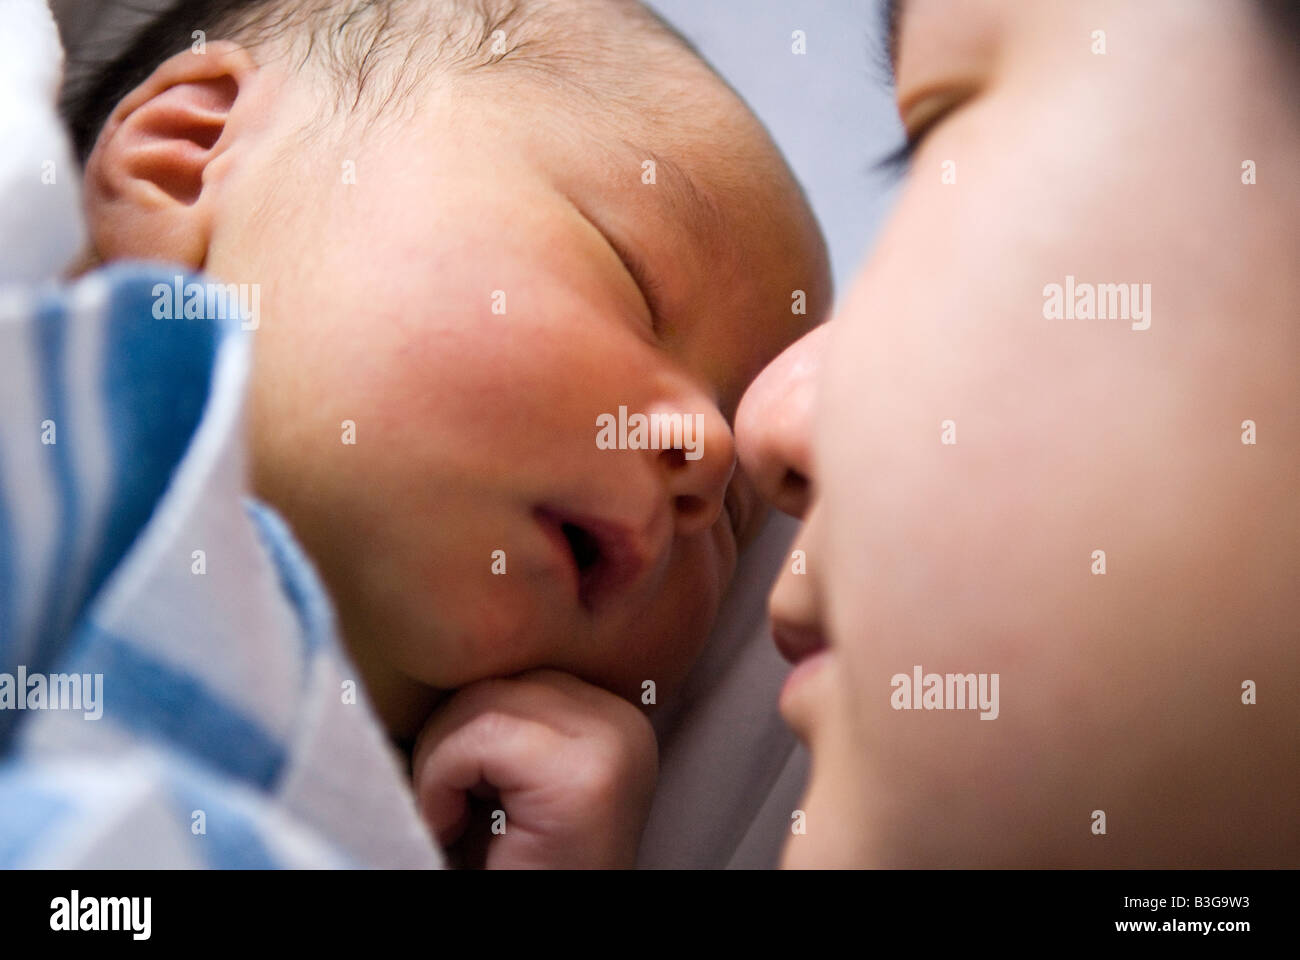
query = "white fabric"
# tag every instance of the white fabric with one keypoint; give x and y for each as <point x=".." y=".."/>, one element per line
<point x="731" y="773"/>
<point x="40" y="194"/>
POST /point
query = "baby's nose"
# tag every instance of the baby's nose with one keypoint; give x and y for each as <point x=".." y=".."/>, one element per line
<point x="774" y="423"/>
<point x="697" y="461"/>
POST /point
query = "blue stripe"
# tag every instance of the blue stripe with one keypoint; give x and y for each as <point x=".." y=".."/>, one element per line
<point x="156" y="378"/>
<point x="26" y="812"/>
<point x="53" y="623"/>
<point x="232" y="839"/>
<point x="163" y="704"/>
<point x="298" y="578"/>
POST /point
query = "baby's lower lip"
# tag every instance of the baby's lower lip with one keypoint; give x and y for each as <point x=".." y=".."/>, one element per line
<point x="564" y="555"/>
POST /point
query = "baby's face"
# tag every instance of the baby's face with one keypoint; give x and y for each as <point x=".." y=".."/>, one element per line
<point x="462" y="303"/>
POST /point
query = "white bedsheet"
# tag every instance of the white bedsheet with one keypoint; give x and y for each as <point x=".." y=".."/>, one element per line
<point x="730" y="771"/>
<point x="40" y="185"/>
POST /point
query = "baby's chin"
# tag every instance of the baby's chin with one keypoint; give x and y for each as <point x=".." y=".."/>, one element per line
<point x="660" y="646"/>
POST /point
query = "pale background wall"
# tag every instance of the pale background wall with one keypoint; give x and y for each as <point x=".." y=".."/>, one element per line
<point x="827" y="109"/>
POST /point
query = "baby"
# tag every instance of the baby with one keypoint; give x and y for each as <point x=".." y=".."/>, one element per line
<point x="480" y="230"/>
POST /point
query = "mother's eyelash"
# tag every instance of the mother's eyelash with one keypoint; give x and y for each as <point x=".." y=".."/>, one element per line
<point x="896" y="161"/>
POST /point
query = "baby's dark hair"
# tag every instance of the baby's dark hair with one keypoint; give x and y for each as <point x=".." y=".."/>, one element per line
<point x="374" y="52"/>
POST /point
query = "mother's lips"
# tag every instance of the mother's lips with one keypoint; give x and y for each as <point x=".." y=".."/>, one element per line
<point x="797" y="642"/>
<point x="806" y="648"/>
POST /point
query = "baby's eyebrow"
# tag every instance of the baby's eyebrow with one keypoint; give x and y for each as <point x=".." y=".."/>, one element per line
<point x="689" y="203"/>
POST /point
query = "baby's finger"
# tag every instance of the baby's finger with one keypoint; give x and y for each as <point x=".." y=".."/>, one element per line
<point x="495" y="749"/>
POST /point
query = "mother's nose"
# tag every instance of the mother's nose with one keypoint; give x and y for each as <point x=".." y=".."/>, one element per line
<point x="774" y="425"/>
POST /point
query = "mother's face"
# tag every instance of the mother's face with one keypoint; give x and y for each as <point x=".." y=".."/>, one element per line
<point x="967" y="451"/>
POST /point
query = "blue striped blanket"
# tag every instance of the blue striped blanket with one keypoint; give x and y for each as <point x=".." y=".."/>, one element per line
<point x="172" y="689"/>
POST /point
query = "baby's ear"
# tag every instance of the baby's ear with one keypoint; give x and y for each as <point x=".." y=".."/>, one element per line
<point x="149" y="179"/>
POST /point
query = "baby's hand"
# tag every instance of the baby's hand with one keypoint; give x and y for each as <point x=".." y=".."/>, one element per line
<point x="571" y="765"/>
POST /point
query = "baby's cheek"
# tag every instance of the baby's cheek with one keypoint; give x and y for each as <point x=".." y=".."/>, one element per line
<point x="647" y="653"/>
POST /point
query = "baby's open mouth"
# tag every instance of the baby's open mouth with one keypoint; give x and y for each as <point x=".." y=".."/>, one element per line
<point x="603" y="556"/>
<point x="585" y="547"/>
